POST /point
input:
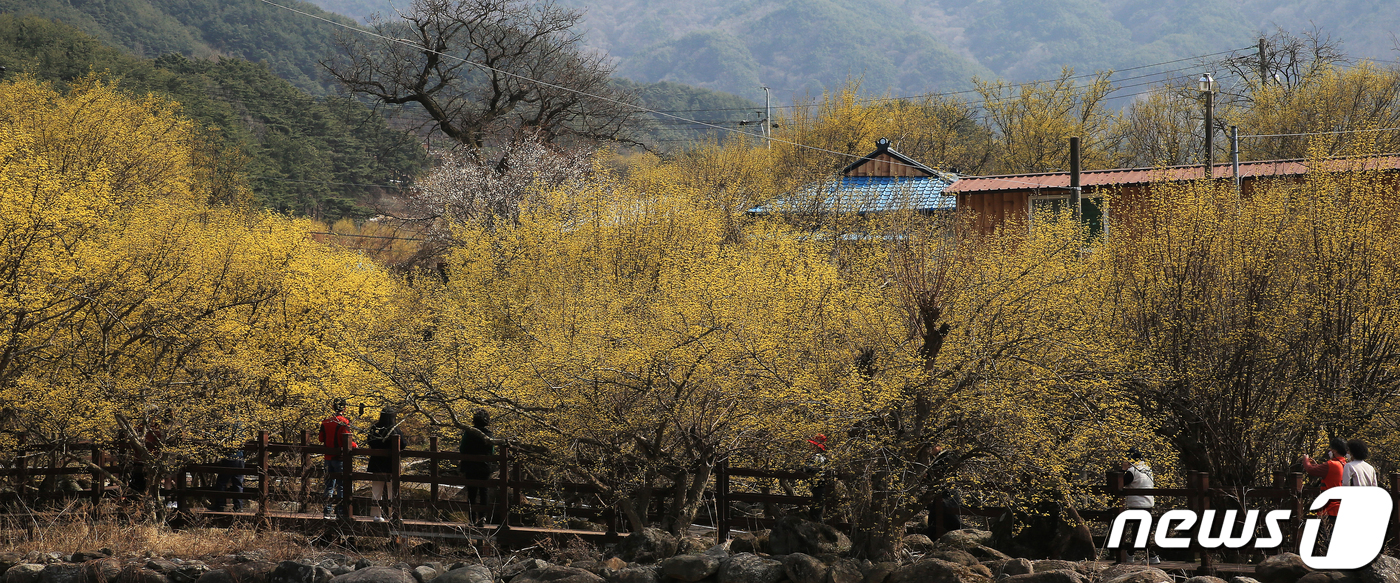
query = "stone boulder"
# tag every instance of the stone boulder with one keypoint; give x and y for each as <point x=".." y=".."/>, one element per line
<point x="1057" y="576"/>
<point x="691" y="545"/>
<point x="160" y="565"/>
<point x="294" y="572"/>
<point x="252" y="572"/>
<point x="101" y="570"/>
<point x="511" y="570"/>
<point x="985" y="553"/>
<point x="879" y="572"/>
<point x="1385" y="569"/>
<point x="918" y="543"/>
<point x="1281" y="568"/>
<point x="422" y="573"/>
<point x="794" y="535"/>
<point x="8" y="560"/>
<point x="1044" y="565"/>
<point x="1115" y="571"/>
<point x="467" y="574"/>
<point x="1148" y="575"/>
<point x="968" y="536"/>
<point x="1009" y="567"/>
<point x="85" y="556"/>
<point x="750" y="568"/>
<point x="844" y="571"/>
<point x="1204" y="579"/>
<point x="556" y="574"/>
<point x="62" y="573"/>
<point x="647" y="546"/>
<point x="804" y="568"/>
<point x="691" y="568"/>
<point x="744" y="542"/>
<point x="136" y="574"/>
<point x="23" y="573"/>
<point x="936" y="571"/>
<point x="191" y="571"/>
<point x="375" y="575"/>
<point x="1330" y="577"/>
<point x="647" y="574"/>
<point x="954" y="556"/>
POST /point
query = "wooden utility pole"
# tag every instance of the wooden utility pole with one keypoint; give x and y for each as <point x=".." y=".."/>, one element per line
<point x="1076" y="202"/>
<point x="1263" y="66"/>
<point x="1235" y="156"/>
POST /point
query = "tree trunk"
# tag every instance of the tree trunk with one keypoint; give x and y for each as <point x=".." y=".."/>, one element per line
<point x="686" y="501"/>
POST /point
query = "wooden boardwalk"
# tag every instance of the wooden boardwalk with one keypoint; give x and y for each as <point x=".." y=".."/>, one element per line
<point x="283" y="480"/>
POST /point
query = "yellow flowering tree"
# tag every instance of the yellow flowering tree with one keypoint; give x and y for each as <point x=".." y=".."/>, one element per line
<point x="136" y="311"/>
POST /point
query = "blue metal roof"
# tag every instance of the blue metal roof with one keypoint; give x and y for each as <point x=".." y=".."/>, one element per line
<point x="867" y="194"/>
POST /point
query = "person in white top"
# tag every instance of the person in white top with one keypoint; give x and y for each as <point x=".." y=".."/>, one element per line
<point x="1357" y="472"/>
<point x="1138" y="476"/>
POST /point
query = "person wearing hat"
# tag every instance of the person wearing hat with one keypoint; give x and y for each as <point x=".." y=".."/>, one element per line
<point x="336" y="433"/>
<point x="477" y="440"/>
<point x="381" y="436"/>
<point x="1138" y="476"/>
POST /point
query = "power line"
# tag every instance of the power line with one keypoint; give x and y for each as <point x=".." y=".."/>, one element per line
<point x="1319" y="133"/>
<point x="1012" y="85"/>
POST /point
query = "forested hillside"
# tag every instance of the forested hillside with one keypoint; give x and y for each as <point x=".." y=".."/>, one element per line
<point x="307" y="155"/>
<point x="246" y="29"/>
<point x="914" y="46"/>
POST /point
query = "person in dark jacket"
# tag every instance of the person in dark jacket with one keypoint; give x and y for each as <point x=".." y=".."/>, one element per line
<point x="381" y="436"/>
<point x="477" y="440"/>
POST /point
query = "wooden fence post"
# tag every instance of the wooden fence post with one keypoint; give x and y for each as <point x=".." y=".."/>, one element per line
<point x="722" y="502"/>
<point x="304" y="495"/>
<point x="96" y="458"/>
<point x="182" y="484"/>
<point x="21" y="466"/>
<point x="264" y="475"/>
<point x="1207" y="561"/>
<point x="1296" y="485"/>
<point x="433" y="476"/>
<point x="1115" y="485"/>
<point x="1395" y="506"/>
<point x="1281" y="483"/>
<point x="395" y="442"/>
<point x="503" y="500"/>
<point x="347" y="487"/>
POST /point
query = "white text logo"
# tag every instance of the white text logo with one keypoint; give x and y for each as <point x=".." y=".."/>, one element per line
<point x="1357" y="536"/>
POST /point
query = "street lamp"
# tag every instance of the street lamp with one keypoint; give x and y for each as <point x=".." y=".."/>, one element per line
<point x="1207" y="86"/>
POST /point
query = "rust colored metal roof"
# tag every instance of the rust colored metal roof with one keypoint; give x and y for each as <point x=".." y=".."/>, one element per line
<point x="1126" y="176"/>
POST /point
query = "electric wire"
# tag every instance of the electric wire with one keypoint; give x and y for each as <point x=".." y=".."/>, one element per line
<point x="599" y="97"/>
<point x="1335" y="132"/>
<point x="726" y="129"/>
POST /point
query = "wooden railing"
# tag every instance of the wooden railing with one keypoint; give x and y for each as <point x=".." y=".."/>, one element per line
<point x="284" y="474"/>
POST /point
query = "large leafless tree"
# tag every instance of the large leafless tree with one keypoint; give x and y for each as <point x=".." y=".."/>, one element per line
<point x="488" y="72"/>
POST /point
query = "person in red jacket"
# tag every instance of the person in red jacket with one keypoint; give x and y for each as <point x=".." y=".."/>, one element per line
<point x="336" y="432"/>
<point x="1331" y="473"/>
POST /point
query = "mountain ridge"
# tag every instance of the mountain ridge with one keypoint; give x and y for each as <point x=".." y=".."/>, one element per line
<point x="906" y="47"/>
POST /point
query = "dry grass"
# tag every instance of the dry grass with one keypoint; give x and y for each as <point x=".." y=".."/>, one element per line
<point x="74" y="529"/>
<point x="81" y="534"/>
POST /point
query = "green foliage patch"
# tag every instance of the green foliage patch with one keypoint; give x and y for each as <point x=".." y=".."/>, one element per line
<point x="307" y="155"/>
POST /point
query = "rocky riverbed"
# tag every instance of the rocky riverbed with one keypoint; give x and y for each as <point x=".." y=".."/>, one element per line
<point x="796" y="552"/>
